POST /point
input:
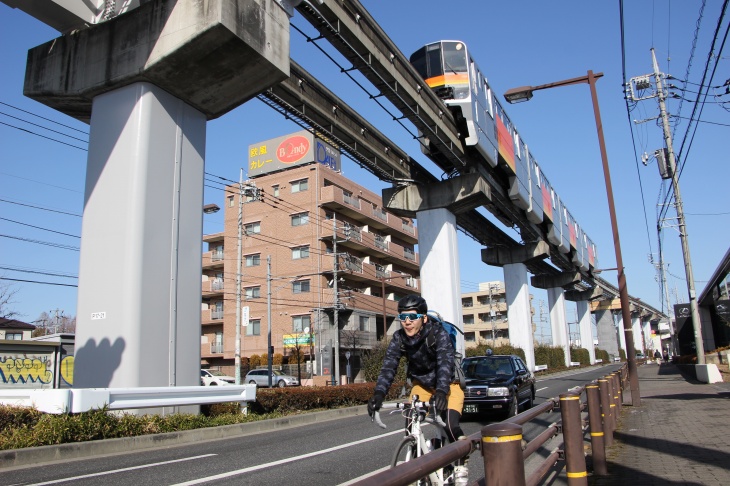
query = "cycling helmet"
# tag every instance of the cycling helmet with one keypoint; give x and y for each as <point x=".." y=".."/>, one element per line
<point x="413" y="301"/>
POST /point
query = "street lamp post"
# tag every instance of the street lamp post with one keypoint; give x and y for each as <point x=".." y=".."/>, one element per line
<point x="524" y="93"/>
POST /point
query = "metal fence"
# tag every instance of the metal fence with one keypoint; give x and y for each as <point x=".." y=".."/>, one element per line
<point x="504" y="451"/>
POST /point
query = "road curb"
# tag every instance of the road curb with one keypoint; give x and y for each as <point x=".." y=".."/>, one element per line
<point x="80" y="450"/>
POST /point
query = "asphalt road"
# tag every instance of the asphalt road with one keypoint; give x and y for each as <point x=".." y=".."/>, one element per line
<point x="326" y="453"/>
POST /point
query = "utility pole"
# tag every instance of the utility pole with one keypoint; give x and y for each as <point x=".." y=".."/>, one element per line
<point x="268" y="313"/>
<point x="336" y="313"/>
<point x="237" y="355"/>
<point x="680" y="215"/>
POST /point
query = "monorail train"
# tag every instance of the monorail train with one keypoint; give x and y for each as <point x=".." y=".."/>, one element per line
<point x="450" y="71"/>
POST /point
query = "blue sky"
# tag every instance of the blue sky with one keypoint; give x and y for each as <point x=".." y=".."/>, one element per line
<point x="516" y="43"/>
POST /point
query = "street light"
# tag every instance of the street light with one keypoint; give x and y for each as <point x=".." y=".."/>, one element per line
<point x="524" y="93"/>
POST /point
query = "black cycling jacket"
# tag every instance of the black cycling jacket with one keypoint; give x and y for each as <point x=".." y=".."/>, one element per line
<point x="432" y="373"/>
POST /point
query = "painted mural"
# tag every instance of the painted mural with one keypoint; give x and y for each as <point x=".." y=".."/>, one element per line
<point x="26" y="369"/>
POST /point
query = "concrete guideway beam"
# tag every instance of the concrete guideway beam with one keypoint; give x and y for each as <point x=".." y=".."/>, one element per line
<point x="525" y="254"/>
<point x="214" y="55"/>
<point x="584" y="295"/>
<point x="458" y="195"/>
<point x="564" y="279"/>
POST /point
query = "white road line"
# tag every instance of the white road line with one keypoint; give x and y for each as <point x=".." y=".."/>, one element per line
<point x="284" y="461"/>
<point x="541" y="389"/>
<point x="115" y="471"/>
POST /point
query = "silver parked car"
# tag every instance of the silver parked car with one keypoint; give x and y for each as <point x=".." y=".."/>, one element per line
<point x="261" y="378"/>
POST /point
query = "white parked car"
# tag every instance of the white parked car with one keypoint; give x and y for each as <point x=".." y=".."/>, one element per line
<point x="215" y="378"/>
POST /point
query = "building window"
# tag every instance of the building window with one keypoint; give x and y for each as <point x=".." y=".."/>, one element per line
<point x="299" y="186"/>
<point x="300" y="286"/>
<point x="275" y="190"/>
<point x="253" y="260"/>
<point x="300" y="252"/>
<point x="254" y="327"/>
<point x="300" y="219"/>
<point x="364" y="323"/>
<point x="300" y="323"/>
<point x="469" y="337"/>
<point x="469" y="319"/>
<point x="329" y="215"/>
<point x="253" y="228"/>
<point x="14" y="336"/>
<point x="230" y="201"/>
<point x="252" y="292"/>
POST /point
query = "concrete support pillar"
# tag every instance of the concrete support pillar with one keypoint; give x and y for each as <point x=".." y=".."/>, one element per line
<point x="148" y="81"/>
<point x="646" y="333"/>
<point x="141" y="238"/>
<point x="586" y="334"/>
<point x="519" y="315"/>
<point x="440" y="275"/>
<point x="636" y="328"/>
<point x="558" y="321"/>
<point x="435" y="207"/>
<point x="606" y="332"/>
<point x="621" y="333"/>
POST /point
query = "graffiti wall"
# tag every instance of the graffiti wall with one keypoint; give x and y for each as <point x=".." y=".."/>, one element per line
<point x="30" y="365"/>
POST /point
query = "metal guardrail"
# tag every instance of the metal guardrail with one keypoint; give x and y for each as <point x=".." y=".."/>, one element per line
<point x="504" y="451"/>
<point x="76" y="400"/>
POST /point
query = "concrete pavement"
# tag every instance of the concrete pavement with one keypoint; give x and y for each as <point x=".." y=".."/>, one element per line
<point x="679" y="435"/>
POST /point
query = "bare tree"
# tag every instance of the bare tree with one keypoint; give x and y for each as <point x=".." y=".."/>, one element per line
<point x="7" y="294"/>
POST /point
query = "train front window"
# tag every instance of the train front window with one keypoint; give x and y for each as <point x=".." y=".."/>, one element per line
<point x="454" y="57"/>
<point x="427" y="61"/>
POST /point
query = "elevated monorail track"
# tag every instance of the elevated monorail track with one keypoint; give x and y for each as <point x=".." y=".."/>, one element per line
<point x="349" y="27"/>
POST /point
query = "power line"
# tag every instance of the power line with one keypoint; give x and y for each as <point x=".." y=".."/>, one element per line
<point x="37" y="282"/>
<point x="46" y="243"/>
<point x="41" y="208"/>
<point x="40" y="228"/>
<point x="42" y="136"/>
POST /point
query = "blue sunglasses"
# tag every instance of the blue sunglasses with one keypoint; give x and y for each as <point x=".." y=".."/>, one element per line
<point x="410" y="316"/>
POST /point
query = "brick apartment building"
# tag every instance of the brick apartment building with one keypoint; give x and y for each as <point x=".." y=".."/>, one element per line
<point x="294" y="219"/>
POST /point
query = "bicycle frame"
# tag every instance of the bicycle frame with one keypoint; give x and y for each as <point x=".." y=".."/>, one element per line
<point x="415" y="442"/>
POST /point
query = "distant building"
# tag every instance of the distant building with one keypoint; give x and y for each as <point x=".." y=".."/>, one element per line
<point x="484" y="314"/>
<point x="14" y="330"/>
<point x="297" y="214"/>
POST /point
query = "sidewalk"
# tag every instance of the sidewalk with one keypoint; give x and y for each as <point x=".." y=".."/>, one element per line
<point x="679" y="435"/>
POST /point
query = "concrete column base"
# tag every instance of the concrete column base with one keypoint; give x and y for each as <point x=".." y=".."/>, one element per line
<point x="708" y="373"/>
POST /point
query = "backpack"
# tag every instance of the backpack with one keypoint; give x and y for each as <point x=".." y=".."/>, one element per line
<point x="452" y="331"/>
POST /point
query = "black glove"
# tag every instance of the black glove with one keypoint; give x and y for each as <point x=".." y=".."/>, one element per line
<point x="440" y="403"/>
<point x="375" y="403"/>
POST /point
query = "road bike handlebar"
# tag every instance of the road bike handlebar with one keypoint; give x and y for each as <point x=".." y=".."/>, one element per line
<point x="417" y="405"/>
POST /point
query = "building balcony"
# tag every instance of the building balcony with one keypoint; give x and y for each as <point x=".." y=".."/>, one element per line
<point x="334" y="198"/>
<point x="356" y="238"/>
<point x="213" y="259"/>
<point x="213" y="287"/>
<point x="211" y="316"/>
<point x="482" y="308"/>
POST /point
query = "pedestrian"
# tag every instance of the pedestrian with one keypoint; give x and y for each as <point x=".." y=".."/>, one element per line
<point x="433" y="377"/>
<point x="658" y="356"/>
<point x="666" y="356"/>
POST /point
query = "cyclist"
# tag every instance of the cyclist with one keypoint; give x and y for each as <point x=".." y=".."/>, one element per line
<point x="430" y="371"/>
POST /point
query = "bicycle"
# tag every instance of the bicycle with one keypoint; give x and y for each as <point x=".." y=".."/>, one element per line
<point x="415" y="444"/>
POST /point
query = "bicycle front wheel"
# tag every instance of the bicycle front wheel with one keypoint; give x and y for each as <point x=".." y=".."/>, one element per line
<point x="406" y="451"/>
